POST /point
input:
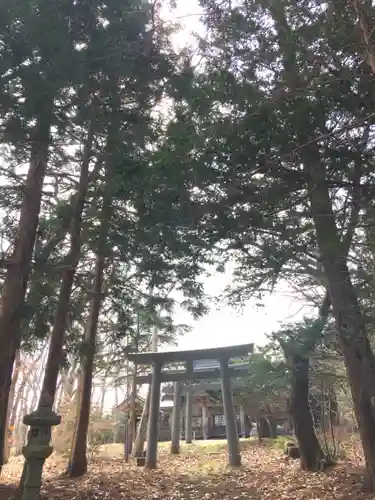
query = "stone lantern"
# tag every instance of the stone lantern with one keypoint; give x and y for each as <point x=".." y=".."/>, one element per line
<point x="38" y="447"/>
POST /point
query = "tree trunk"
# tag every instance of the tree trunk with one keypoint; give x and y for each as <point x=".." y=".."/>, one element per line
<point x="311" y="454"/>
<point x="12" y="408"/>
<point x="133" y="415"/>
<point x="272" y="426"/>
<point x="59" y="394"/>
<point x="140" y="439"/>
<point x="360" y="8"/>
<point x="358" y="356"/>
<point x="18" y="269"/>
<point x="21" y="389"/>
<point x="263" y="428"/>
<point x="16" y="408"/>
<point x="116" y="417"/>
<point x="69" y="384"/>
<point x="102" y="398"/>
<point x="127" y="440"/>
<point x="72" y="259"/>
<point x="127" y="444"/>
<point x="350" y="324"/>
<point x="78" y="460"/>
<point x="333" y="407"/>
<point x="297" y="353"/>
<point x="134" y="386"/>
<point x="22" y="428"/>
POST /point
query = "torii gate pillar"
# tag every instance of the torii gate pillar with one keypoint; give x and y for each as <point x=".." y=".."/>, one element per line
<point x="234" y="456"/>
<point x="153" y="419"/>
<point x="176" y="418"/>
<point x="189" y="418"/>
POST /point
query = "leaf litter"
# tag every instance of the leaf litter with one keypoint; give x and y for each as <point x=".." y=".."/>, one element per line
<point x="194" y="474"/>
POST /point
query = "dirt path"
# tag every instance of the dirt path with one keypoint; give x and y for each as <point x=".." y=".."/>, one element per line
<point x="195" y="474"/>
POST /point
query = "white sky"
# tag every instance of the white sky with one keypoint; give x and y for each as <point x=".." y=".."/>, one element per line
<point x="225" y="326"/>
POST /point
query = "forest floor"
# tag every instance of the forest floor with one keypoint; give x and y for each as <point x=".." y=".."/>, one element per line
<point x="199" y="472"/>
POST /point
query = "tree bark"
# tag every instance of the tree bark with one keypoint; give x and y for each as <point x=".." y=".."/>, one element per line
<point x="272" y="426"/>
<point x="366" y="30"/>
<point x="127" y="444"/>
<point x="134" y="404"/>
<point x="263" y="428"/>
<point x="311" y="454"/>
<point x="78" y="460"/>
<point x="133" y="414"/>
<point x="12" y="407"/>
<point x="116" y="427"/>
<point x="140" y="439"/>
<point x="130" y="428"/>
<point x="72" y="260"/>
<point x="21" y="388"/>
<point x="59" y="394"/>
<point x="102" y="398"/>
<point x="358" y="356"/>
<point x="18" y="269"/>
<point x="297" y="355"/>
<point x="16" y="407"/>
<point x="71" y="383"/>
<point x="22" y="429"/>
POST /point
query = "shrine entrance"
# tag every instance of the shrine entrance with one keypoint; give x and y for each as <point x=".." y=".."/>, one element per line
<point x="216" y="366"/>
<point x="208" y="421"/>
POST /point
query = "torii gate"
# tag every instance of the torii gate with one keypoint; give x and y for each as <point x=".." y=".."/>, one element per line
<point x="224" y="372"/>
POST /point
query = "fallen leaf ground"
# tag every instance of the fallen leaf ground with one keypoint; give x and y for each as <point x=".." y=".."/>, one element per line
<point x="199" y="472"/>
